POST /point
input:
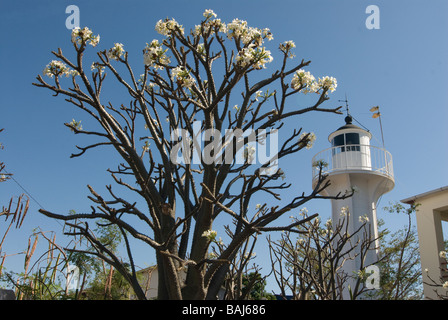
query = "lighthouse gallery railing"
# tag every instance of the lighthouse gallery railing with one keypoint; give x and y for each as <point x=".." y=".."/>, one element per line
<point x="353" y="157"/>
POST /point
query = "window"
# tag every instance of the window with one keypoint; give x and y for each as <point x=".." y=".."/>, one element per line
<point x="338" y="141"/>
<point x="351" y="139"/>
<point x="348" y="141"/>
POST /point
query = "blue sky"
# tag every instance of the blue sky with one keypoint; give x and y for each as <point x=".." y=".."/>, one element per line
<point x="402" y="67"/>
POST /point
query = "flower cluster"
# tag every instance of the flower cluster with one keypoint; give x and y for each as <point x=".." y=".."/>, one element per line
<point x="75" y="125"/>
<point x="168" y="26"/>
<point x="286" y="47"/>
<point x="155" y="55"/>
<point x="96" y="67"/>
<point x="146" y="146"/>
<point x="308" y="139"/>
<point x="208" y="13"/>
<point x="253" y="56"/>
<point x="148" y="86"/>
<point x="210" y="234"/>
<point x="182" y="77"/>
<point x="328" y="83"/>
<point x="215" y="25"/>
<point x="305" y="81"/>
<point x="238" y="29"/>
<point x="363" y="219"/>
<point x="344" y="211"/>
<point x="115" y="52"/>
<point x="82" y="36"/>
<point x="56" y="68"/>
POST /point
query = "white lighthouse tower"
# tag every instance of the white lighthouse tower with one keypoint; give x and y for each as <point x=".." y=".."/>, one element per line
<point x="352" y="163"/>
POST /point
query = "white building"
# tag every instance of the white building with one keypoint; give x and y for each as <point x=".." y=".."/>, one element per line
<point x="431" y="212"/>
<point x="352" y="163"/>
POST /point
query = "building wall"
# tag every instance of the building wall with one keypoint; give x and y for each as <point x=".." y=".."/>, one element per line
<point x="433" y="209"/>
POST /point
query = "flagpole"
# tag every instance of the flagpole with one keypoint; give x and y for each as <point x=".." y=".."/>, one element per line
<point x="378" y="115"/>
<point x="381" y="128"/>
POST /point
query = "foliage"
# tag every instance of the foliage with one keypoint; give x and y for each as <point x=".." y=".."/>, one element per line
<point x="400" y="267"/>
<point x="254" y="287"/>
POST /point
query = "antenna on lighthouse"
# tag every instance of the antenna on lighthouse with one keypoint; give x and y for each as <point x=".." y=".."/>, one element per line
<point x="348" y="112"/>
<point x="346" y="105"/>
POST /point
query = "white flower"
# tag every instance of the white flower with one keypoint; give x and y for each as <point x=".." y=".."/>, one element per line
<point x="258" y="206"/>
<point x="182" y="77"/>
<point x="115" y="52"/>
<point x="363" y="219"/>
<point x="201" y="49"/>
<point x="442" y="254"/>
<point x="254" y="57"/>
<point x="168" y="26"/>
<point x="97" y="67"/>
<point x="208" y="13"/>
<point x="210" y="26"/>
<point x="308" y="139"/>
<point x="75" y="125"/>
<point x="56" y="68"/>
<point x="304" y="80"/>
<point x="328" y="83"/>
<point x="238" y="29"/>
<point x="445" y="285"/>
<point x="210" y="234"/>
<point x="154" y="55"/>
<point x="94" y="40"/>
<point x="146" y="146"/>
<point x="344" y="211"/>
<point x="303" y="211"/>
<point x="286" y="47"/>
<point x="252" y="255"/>
<point x="80" y="36"/>
<point x="267" y="34"/>
<point x="74" y="73"/>
<point x="281" y="173"/>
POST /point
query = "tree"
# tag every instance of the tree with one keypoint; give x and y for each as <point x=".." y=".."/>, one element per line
<point x="310" y="266"/>
<point x="193" y="81"/>
<point x="400" y="269"/>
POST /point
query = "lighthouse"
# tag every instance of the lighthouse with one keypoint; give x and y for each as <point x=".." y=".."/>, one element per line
<point x="353" y="164"/>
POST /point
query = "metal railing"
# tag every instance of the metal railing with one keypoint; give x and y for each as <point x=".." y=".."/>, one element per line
<point x="353" y="157"/>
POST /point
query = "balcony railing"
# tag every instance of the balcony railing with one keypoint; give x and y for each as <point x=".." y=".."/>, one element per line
<point x="353" y="158"/>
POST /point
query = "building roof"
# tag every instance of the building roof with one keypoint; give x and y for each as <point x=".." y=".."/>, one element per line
<point x="412" y="199"/>
<point x="348" y="124"/>
<point x="350" y="127"/>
